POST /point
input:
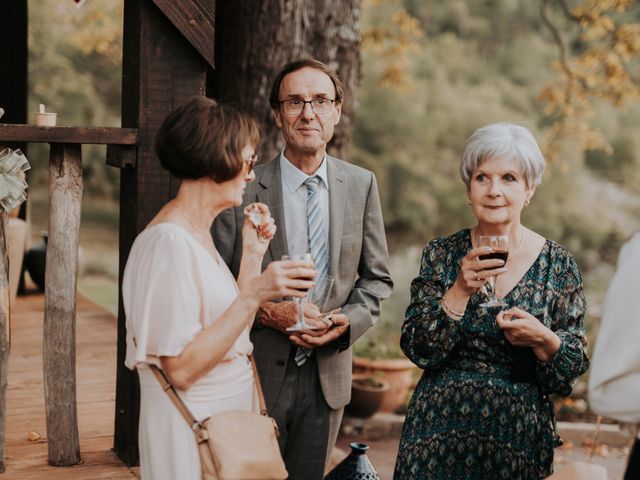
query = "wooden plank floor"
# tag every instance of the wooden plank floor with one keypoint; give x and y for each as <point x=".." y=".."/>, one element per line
<point x="96" y="378"/>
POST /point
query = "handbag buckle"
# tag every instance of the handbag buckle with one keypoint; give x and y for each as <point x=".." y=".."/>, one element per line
<point x="202" y="434"/>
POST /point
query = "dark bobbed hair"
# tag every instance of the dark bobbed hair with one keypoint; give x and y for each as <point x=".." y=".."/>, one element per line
<point x="205" y="138"/>
<point x="274" y="97"/>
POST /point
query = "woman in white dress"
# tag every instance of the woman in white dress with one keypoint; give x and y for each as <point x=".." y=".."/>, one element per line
<point x="185" y="312"/>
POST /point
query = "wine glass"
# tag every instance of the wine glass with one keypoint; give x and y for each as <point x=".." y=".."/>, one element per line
<point x="320" y="293"/>
<point x="500" y="250"/>
<point x="300" y="324"/>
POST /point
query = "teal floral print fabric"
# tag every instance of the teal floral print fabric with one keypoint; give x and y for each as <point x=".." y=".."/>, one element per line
<point x="467" y="419"/>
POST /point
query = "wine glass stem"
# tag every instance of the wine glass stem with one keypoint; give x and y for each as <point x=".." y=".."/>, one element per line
<point x="492" y="286"/>
<point x="300" y="311"/>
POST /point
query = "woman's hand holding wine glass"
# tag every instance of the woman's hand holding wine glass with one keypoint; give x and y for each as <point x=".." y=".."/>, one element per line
<point x="287" y="278"/>
<point x="476" y="268"/>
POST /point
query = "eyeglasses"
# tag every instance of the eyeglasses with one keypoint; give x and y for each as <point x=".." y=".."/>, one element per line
<point x="251" y="162"/>
<point x="295" y="106"/>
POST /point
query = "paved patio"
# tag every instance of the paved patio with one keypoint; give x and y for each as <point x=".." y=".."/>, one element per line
<point x="381" y="434"/>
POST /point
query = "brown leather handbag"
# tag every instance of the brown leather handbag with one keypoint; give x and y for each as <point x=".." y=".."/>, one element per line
<point x="233" y="445"/>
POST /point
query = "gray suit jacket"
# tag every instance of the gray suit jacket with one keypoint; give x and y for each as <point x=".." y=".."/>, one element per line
<point x="358" y="260"/>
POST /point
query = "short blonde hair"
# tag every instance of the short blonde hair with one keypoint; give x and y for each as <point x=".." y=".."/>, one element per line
<point x="503" y="140"/>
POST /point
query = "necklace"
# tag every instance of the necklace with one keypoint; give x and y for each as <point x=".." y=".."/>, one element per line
<point x="514" y="254"/>
<point x="200" y="233"/>
<point x="183" y="211"/>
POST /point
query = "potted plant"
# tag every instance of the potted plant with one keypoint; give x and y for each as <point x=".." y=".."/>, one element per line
<point x="367" y="395"/>
<point x="384" y="360"/>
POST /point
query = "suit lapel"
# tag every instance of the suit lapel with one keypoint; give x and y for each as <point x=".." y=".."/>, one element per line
<point x="337" y="197"/>
<point x="271" y="195"/>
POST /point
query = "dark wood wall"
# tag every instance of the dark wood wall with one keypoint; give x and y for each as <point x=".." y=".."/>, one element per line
<point x="168" y="45"/>
<point x="161" y="70"/>
<point x="13" y="60"/>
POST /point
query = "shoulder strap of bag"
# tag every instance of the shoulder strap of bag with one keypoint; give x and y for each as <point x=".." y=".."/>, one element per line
<point x="173" y="396"/>
<point x="256" y="377"/>
<point x="184" y="410"/>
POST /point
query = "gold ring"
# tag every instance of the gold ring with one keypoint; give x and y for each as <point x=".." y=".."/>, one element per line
<point x="477" y="278"/>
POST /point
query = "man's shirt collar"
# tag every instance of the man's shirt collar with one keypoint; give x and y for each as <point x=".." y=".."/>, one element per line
<point x="293" y="178"/>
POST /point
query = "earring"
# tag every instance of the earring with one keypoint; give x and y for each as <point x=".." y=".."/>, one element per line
<point x="468" y="202"/>
<point x="526" y="202"/>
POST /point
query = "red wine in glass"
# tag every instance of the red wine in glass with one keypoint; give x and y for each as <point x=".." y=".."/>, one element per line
<point x="500" y="250"/>
<point x="499" y="255"/>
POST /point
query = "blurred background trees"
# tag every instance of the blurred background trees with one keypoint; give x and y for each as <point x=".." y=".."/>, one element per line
<point x="431" y="72"/>
<point x="256" y="38"/>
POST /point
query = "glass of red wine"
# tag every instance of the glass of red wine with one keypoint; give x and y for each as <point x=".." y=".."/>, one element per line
<point x="301" y="323"/>
<point x="500" y="250"/>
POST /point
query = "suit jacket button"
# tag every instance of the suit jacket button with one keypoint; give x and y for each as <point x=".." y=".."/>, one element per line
<point x="280" y="363"/>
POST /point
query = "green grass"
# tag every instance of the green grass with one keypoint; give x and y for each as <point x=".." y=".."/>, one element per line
<point x="101" y="289"/>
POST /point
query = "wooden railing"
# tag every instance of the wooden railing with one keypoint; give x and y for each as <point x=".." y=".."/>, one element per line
<point x="65" y="199"/>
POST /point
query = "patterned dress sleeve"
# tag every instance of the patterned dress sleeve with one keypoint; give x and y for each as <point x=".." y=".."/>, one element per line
<point x="570" y="361"/>
<point x="429" y="335"/>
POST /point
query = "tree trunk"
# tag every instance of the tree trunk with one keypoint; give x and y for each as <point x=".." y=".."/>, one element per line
<point x="255" y="39"/>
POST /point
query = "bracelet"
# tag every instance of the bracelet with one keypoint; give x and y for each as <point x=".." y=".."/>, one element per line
<point x="447" y="308"/>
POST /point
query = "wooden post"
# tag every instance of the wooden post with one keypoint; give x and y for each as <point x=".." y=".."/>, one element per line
<point x="5" y="340"/>
<point x="65" y="197"/>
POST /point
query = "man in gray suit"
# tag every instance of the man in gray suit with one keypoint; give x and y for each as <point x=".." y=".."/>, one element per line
<point x="332" y="209"/>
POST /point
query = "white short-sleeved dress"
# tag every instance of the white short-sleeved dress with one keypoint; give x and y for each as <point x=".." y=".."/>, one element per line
<point x="172" y="287"/>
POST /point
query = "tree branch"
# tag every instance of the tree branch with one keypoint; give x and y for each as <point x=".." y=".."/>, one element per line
<point x="567" y="11"/>
<point x="561" y="46"/>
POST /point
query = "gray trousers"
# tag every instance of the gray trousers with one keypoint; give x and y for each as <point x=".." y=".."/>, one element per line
<point x="308" y="426"/>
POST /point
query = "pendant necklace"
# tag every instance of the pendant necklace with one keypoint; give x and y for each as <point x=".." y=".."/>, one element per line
<point x="199" y="231"/>
<point x="514" y="254"/>
<point x="183" y="211"/>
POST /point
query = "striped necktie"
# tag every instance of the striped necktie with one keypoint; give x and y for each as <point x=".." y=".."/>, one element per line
<point x="315" y="223"/>
<point x="317" y="244"/>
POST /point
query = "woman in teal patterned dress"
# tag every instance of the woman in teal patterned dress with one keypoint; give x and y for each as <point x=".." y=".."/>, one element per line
<point x="481" y="409"/>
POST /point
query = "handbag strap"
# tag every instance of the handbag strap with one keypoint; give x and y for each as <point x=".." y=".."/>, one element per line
<point x="174" y="397"/>
<point x="256" y="377"/>
<point x="182" y="407"/>
<point x="594" y="443"/>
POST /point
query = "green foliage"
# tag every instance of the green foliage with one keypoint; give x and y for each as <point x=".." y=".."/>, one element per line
<point x="75" y="57"/>
<point x="432" y="73"/>
<point x="622" y="165"/>
<point x="483" y="62"/>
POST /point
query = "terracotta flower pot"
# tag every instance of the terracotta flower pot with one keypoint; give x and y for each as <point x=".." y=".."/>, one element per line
<point x="367" y="395"/>
<point x="397" y="371"/>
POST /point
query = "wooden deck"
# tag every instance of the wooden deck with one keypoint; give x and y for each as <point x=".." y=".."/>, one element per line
<point x="96" y="380"/>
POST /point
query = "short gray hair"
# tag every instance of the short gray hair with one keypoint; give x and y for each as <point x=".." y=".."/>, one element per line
<point x="503" y="140"/>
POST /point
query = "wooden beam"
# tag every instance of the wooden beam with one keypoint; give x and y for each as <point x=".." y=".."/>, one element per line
<point x="65" y="198"/>
<point x="94" y="135"/>
<point x="121" y="156"/>
<point x="5" y="340"/>
<point x="195" y="21"/>
<point x="161" y="70"/>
